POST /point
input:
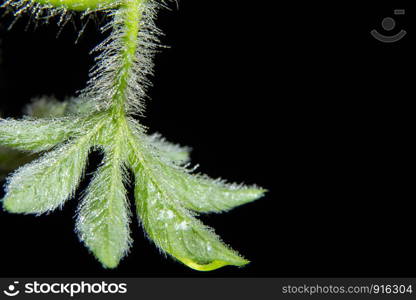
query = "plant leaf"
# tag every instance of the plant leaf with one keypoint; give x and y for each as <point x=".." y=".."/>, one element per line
<point x="49" y="107"/>
<point x="173" y="228"/>
<point x="175" y="231"/>
<point x="80" y="107"/>
<point x="46" y="107"/>
<point x="103" y="216"/>
<point x="205" y="195"/>
<point x="48" y="182"/>
<point x="36" y="134"/>
<point x="196" y="192"/>
<point x="174" y="152"/>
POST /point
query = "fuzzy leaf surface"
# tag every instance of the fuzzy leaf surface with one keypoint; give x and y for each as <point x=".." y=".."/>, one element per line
<point x="205" y="195"/>
<point x="104" y="216"/>
<point x="175" y="231"/>
<point x="46" y="183"/>
<point x="173" y="152"/>
<point x="36" y="134"/>
<point x="173" y="228"/>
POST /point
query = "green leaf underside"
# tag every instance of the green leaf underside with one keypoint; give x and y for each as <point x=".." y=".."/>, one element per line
<point x="205" y="195"/>
<point x="103" y="216"/>
<point x="172" y="227"/>
<point x="36" y="135"/>
<point x="46" y="183"/>
<point x="201" y="193"/>
<point x="176" y="232"/>
<point x="47" y="111"/>
<point x="49" y="107"/>
<point x="46" y="107"/>
<point x="167" y="195"/>
<point x="173" y="152"/>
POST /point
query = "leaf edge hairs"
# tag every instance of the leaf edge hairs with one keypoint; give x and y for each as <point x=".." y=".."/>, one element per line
<point x="168" y="194"/>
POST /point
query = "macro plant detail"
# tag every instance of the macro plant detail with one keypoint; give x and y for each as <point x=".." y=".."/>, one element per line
<point x="59" y="136"/>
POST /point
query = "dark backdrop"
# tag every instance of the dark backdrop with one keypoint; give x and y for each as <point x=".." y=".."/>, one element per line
<point x="297" y="98"/>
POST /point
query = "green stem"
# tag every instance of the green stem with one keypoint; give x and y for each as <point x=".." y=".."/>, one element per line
<point x="132" y="14"/>
<point x="79" y="5"/>
<point x="132" y="11"/>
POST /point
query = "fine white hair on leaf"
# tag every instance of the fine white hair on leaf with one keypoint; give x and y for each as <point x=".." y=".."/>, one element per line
<point x="175" y="230"/>
<point x="173" y="152"/>
<point x="198" y="193"/>
<point x="202" y="194"/>
<point x="168" y="195"/>
<point x="105" y="76"/>
<point x="49" y="107"/>
<point x="104" y="216"/>
<point x="36" y="134"/>
<point x="205" y="195"/>
<point x="45" y="107"/>
<point x="46" y="183"/>
<point x="164" y="217"/>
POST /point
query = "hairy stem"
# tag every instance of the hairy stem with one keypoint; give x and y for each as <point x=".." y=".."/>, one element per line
<point x="79" y="5"/>
<point x="132" y="14"/>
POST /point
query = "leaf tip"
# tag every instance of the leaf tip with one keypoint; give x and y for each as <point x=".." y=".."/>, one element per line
<point x="10" y="206"/>
<point x="108" y="261"/>
<point x="214" y="265"/>
<point x="259" y="192"/>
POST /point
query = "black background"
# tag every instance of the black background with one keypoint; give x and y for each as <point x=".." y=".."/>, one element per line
<point x="297" y="98"/>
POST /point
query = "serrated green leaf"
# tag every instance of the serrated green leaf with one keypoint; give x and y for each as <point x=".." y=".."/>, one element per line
<point x="196" y="192"/>
<point x="49" y="107"/>
<point x="45" y="184"/>
<point x="175" y="231"/>
<point x="165" y="191"/>
<point x="46" y="107"/>
<point x="173" y="228"/>
<point x="36" y="134"/>
<point x="205" y="195"/>
<point x="103" y="216"/>
<point x="173" y="152"/>
<point x="81" y="107"/>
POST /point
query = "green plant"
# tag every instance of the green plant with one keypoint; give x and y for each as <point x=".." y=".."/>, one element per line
<point x="168" y="195"/>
